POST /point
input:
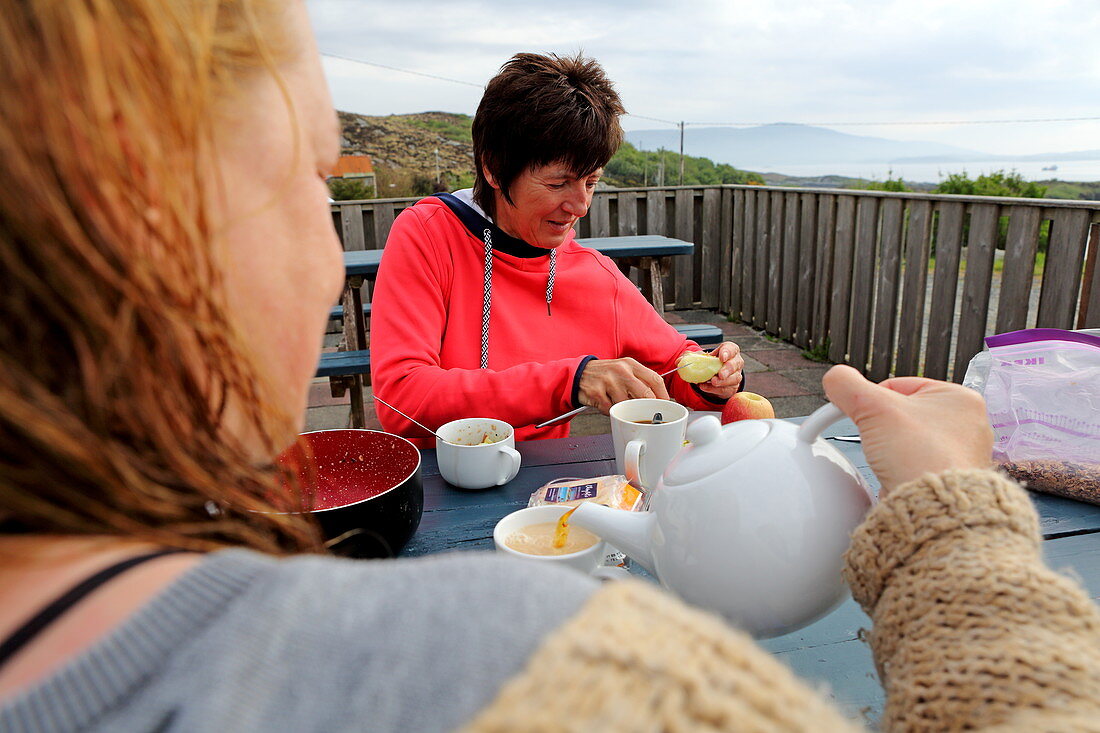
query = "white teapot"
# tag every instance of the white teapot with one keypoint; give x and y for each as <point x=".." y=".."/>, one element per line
<point x="750" y="520"/>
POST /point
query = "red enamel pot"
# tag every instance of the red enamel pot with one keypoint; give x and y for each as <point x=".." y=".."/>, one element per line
<point x="364" y="487"/>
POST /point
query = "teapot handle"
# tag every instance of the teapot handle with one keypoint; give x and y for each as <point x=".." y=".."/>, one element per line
<point x="813" y="426"/>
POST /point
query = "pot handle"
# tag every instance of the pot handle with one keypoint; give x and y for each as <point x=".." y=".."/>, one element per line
<point x="509" y="464"/>
<point x="813" y="426"/>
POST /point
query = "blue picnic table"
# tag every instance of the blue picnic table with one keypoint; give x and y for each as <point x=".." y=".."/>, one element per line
<point x="364" y="262"/>
<point x="828" y="651"/>
<point x="650" y="253"/>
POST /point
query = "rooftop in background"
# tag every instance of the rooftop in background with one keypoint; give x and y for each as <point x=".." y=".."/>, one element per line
<point x="350" y="166"/>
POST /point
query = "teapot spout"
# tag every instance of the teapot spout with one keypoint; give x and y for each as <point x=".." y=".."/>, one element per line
<point x="630" y="532"/>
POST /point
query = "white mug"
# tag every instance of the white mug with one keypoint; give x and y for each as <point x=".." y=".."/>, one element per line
<point x="466" y="461"/>
<point x="642" y="452"/>
<point x="587" y="560"/>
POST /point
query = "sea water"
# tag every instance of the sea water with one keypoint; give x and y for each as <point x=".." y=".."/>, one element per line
<point x="1031" y="170"/>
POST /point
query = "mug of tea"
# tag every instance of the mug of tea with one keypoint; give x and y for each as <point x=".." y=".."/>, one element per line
<point x="477" y="452"/>
<point x="529" y="533"/>
<point x="644" y="446"/>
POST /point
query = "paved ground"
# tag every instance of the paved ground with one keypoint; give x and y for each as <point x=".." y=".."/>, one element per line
<point x="775" y="369"/>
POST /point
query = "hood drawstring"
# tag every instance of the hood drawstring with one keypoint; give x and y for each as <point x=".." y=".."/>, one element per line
<point x="487" y="292"/>
<point x="550" y="279"/>
<point x="486" y="298"/>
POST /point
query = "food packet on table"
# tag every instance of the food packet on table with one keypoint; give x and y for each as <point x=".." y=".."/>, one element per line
<point x="613" y="491"/>
<point x="1042" y="392"/>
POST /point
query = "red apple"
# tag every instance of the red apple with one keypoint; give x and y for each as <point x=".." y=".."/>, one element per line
<point x="746" y="406"/>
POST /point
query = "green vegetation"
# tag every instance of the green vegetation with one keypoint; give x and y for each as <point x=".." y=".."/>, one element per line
<point x="819" y="353"/>
<point x="459" y="182"/>
<point x="1073" y="190"/>
<point x="456" y="127"/>
<point x="349" y="189"/>
<point x="632" y="167"/>
<point x="999" y="263"/>
<point x="896" y="185"/>
<point x="992" y="184"/>
<point x="998" y="183"/>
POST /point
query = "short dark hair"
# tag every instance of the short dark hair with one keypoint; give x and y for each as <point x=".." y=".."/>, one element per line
<point x="544" y="109"/>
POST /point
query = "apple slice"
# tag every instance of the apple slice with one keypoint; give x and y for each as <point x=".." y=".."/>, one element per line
<point x="696" y="367"/>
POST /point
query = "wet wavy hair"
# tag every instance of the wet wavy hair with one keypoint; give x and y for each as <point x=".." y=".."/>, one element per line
<point x="542" y="109"/>
<point x="117" y="354"/>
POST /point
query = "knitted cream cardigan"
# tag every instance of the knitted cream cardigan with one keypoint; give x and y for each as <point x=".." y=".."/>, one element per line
<point x="971" y="631"/>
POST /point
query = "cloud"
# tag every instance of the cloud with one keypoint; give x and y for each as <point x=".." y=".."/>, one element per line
<point x="765" y="60"/>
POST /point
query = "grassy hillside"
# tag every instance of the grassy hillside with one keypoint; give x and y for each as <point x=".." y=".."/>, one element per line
<point x="1072" y="190"/>
<point x="404" y="151"/>
<point x="407" y="149"/>
<point x="633" y="167"/>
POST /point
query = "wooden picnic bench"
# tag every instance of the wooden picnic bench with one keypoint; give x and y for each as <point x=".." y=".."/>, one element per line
<point x="349" y="368"/>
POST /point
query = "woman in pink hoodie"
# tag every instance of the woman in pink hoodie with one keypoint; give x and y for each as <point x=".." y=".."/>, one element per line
<point x="486" y="305"/>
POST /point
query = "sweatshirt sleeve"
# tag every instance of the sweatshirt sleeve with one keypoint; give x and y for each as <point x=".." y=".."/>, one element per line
<point x="645" y="336"/>
<point x="971" y="629"/>
<point x="408" y="319"/>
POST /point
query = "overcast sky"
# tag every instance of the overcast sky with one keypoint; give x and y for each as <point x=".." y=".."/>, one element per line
<point x="761" y="61"/>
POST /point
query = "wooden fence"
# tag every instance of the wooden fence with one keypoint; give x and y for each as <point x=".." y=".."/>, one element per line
<point x="851" y="274"/>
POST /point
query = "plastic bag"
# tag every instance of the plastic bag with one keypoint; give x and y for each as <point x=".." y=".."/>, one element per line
<point x="613" y="491"/>
<point x="1042" y="393"/>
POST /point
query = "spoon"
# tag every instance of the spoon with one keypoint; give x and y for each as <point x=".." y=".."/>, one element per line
<point x="582" y="408"/>
<point x="414" y="422"/>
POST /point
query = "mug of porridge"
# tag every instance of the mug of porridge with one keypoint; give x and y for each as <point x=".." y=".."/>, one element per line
<point x="477" y="452"/>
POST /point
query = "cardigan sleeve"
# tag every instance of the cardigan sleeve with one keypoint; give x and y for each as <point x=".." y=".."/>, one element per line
<point x="971" y="629"/>
<point x="636" y="659"/>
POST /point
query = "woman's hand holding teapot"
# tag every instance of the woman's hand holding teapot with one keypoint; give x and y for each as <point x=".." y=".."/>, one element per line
<point x="911" y="426"/>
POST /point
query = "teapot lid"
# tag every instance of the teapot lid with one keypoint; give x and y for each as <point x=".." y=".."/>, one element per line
<point x="713" y="448"/>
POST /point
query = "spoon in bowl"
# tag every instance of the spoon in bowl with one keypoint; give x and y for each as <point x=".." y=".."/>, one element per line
<point x="414" y="422"/>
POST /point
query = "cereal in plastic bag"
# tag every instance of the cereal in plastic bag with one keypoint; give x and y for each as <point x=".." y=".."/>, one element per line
<point x="613" y="491"/>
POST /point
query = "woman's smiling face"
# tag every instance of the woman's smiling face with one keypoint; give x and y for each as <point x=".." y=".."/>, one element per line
<point x="546" y="203"/>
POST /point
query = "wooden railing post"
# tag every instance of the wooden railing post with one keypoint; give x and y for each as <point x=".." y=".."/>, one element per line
<point x="710" y="242"/>
<point x="1018" y="276"/>
<point x="683" y="285"/>
<point x="1065" y="257"/>
<point x="1089" y="314"/>
<point x="840" y="313"/>
<point x="886" y="299"/>
<point x="807" y="270"/>
<point x="918" y="235"/>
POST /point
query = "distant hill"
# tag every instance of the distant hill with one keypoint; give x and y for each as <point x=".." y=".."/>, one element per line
<point x="403" y="149"/>
<point x="769" y="146"/>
